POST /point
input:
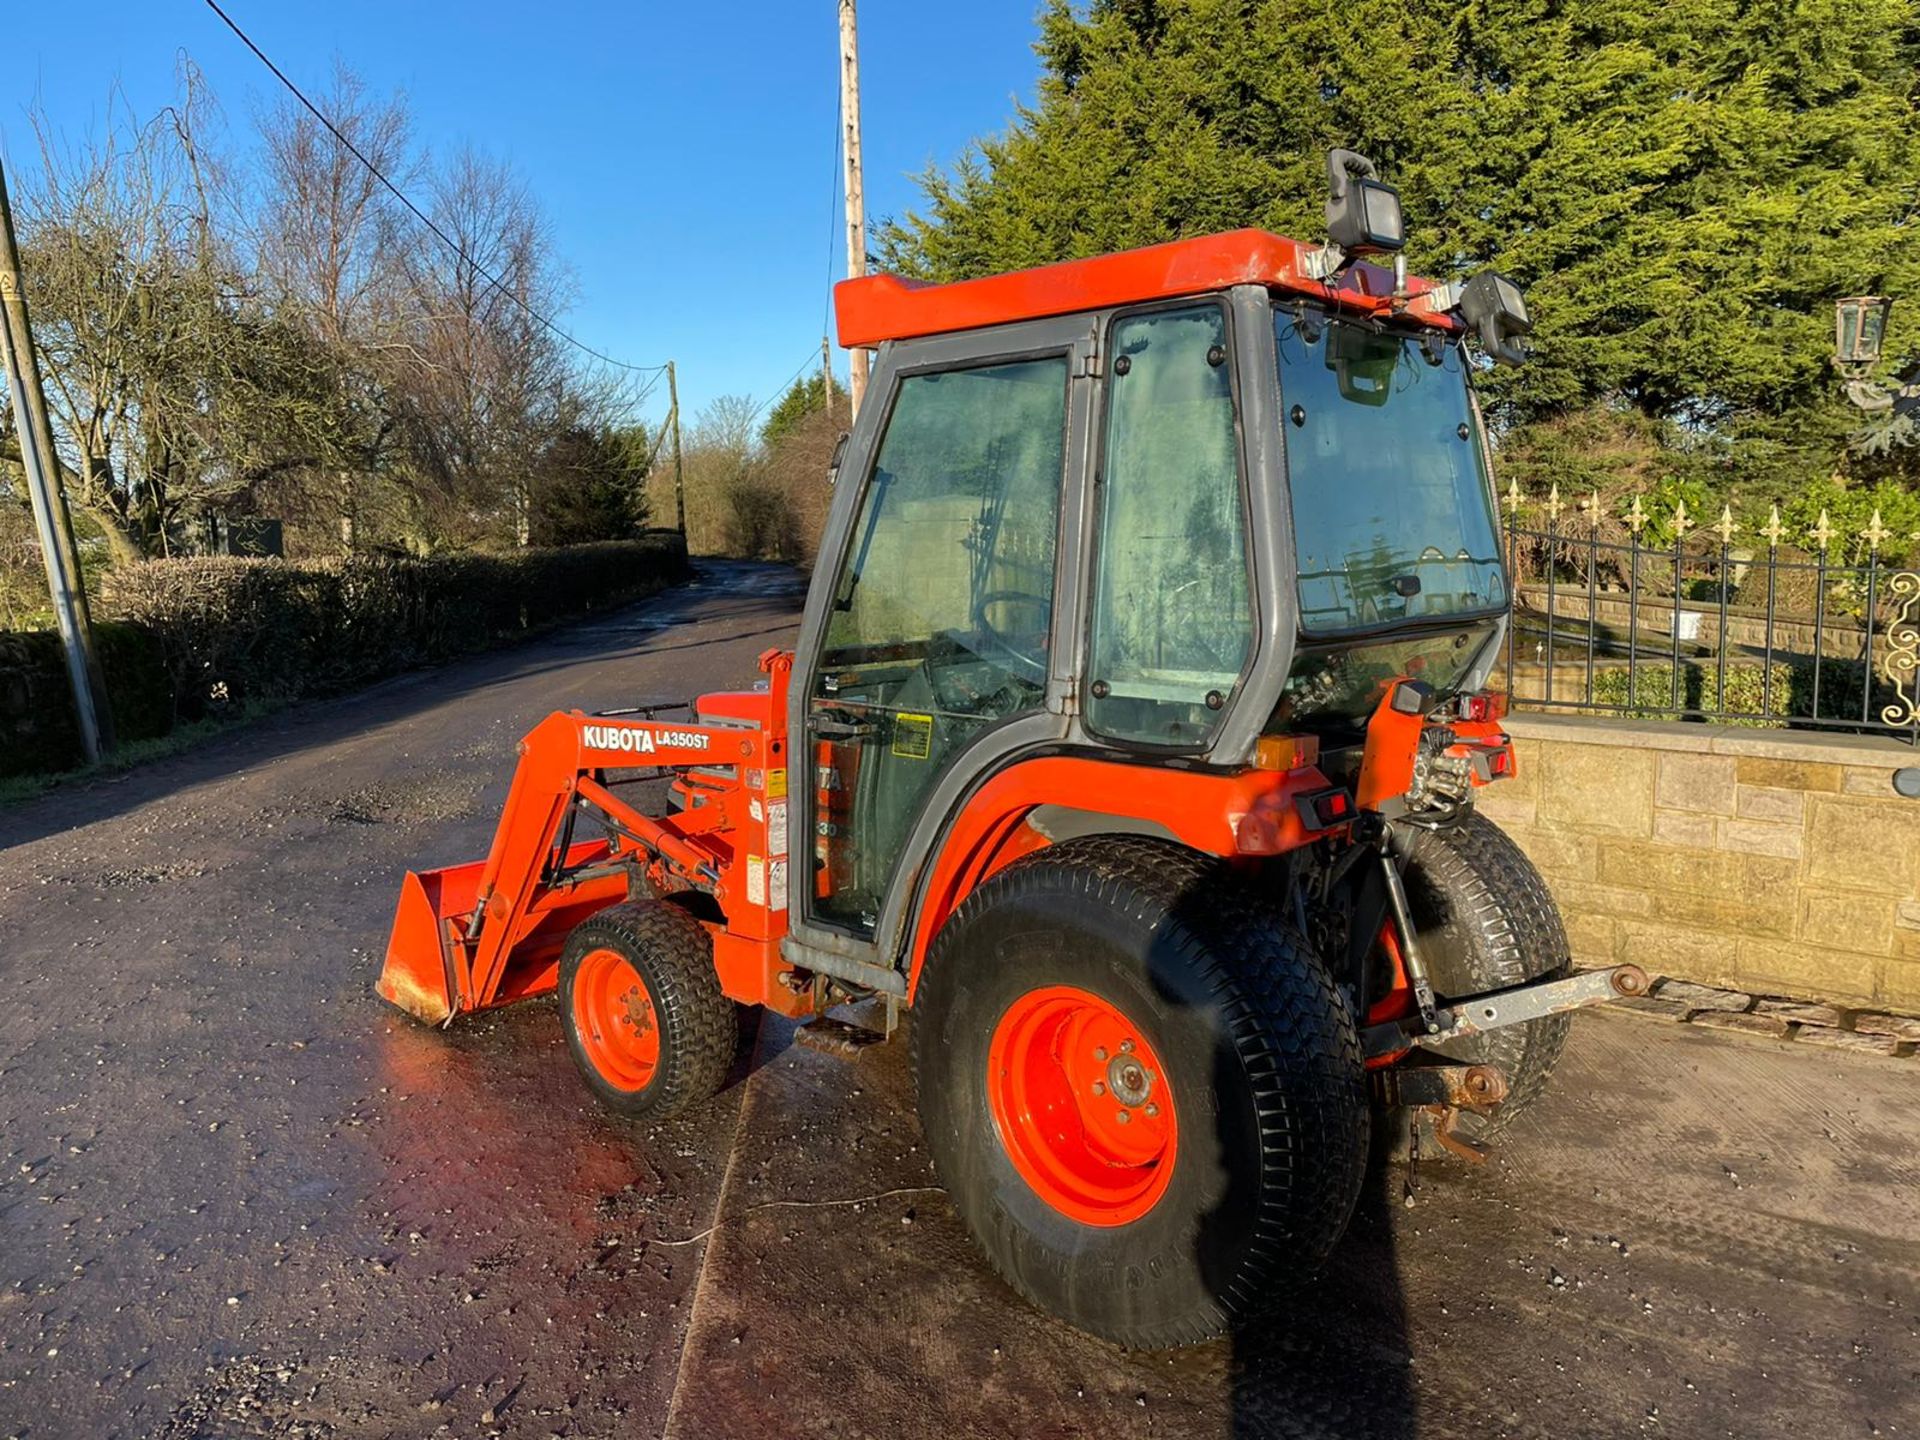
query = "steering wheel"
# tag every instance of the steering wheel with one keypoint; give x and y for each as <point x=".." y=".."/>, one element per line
<point x="1030" y="663"/>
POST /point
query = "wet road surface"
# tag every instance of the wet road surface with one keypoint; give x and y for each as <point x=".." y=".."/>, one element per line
<point x="241" y="1197"/>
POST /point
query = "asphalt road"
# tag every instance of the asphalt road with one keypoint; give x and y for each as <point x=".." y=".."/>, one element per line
<point x="241" y="1197"/>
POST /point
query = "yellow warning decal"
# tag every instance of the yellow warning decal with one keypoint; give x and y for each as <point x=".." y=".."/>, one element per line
<point x="776" y="784"/>
<point x="912" y="736"/>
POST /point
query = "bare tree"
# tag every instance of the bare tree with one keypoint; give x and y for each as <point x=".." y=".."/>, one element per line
<point x="328" y="238"/>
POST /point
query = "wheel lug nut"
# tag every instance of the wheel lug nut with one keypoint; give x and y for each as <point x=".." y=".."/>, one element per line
<point x="1152" y="1109"/>
<point x="1099" y="1087"/>
<point x="1099" y="1052"/>
<point x="1125" y="1116"/>
<point x="1127" y="1045"/>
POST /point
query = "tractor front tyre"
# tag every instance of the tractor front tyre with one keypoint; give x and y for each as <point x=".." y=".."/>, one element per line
<point x="1140" y="1087"/>
<point x="644" y="1016"/>
<point x="1486" y="922"/>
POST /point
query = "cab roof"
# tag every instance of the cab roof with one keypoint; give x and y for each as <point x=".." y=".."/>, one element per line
<point x="876" y="308"/>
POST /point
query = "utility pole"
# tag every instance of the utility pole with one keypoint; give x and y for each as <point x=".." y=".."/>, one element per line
<point x="826" y="375"/>
<point x="856" y="199"/>
<point x="679" y="476"/>
<point x="48" y="501"/>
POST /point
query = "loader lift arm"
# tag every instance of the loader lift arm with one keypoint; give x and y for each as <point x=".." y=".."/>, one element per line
<point x="472" y="936"/>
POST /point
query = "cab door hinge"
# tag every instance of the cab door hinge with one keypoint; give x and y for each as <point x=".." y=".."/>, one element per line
<point x="1088" y="365"/>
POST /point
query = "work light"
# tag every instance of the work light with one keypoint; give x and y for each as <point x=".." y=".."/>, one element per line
<point x="1493" y="305"/>
<point x="1363" y="212"/>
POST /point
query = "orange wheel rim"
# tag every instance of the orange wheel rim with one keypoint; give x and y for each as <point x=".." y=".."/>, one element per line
<point x="1083" y="1105"/>
<point x="614" y="1017"/>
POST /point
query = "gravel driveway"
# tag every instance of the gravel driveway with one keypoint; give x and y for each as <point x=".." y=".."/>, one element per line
<point x="239" y="1196"/>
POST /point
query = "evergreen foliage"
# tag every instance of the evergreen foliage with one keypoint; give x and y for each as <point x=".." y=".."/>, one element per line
<point x="1683" y="190"/>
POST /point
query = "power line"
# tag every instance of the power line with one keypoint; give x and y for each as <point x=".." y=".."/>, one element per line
<point x="418" y="213"/>
<point x="813" y="358"/>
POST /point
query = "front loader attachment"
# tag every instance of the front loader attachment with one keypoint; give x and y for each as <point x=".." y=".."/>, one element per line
<point x="426" y="973"/>
<point x="472" y="936"/>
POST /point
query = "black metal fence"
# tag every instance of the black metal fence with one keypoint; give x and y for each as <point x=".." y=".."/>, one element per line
<point x="1655" y="615"/>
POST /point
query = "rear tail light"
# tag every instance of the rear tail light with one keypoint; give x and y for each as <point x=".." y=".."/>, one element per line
<point x="1325" y="809"/>
<point x="1488" y="705"/>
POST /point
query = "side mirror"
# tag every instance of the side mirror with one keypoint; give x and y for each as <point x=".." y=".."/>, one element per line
<point x="1363" y="213"/>
<point x="1493" y="305"/>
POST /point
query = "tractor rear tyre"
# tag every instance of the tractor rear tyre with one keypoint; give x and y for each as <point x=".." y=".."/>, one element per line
<point x="642" y="1009"/>
<point x="1140" y="1087"/>
<point x="1486" y="921"/>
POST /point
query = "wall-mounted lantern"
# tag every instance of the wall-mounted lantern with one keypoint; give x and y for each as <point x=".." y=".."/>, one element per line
<point x="1859" y="335"/>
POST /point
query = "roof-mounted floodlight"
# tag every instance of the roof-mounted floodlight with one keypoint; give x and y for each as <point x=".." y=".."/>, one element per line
<point x="1492" y="307"/>
<point x="1363" y="214"/>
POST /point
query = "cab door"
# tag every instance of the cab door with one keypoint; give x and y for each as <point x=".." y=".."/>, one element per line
<point x="933" y="648"/>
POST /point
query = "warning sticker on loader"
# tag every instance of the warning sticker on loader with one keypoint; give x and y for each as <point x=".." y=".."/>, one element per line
<point x="777" y="784"/>
<point x="912" y="735"/>
<point x="777" y="830"/>
<point x="756" y="881"/>
<point x="777" y="885"/>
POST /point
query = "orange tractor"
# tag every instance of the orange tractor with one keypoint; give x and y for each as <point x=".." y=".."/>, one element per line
<point x="1131" y="741"/>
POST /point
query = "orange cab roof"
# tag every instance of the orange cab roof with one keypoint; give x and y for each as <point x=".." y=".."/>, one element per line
<point x="887" y="307"/>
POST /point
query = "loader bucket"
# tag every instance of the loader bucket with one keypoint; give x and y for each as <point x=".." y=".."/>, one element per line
<point x="425" y="953"/>
<point x="418" y="976"/>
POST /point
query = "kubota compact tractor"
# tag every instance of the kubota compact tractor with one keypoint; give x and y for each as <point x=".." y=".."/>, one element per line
<point x="1131" y="741"/>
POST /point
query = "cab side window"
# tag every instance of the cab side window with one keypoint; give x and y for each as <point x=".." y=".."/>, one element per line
<point x="1172" y="615"/>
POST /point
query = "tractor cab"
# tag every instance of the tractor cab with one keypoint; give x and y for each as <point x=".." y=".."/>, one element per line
<point x="1153" y="509"/>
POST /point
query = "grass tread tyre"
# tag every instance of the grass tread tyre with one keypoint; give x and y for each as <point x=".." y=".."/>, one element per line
<point x="1486" y="921"/>
<point x="1251" y="1023"/>
<point x="699" y="1026"/>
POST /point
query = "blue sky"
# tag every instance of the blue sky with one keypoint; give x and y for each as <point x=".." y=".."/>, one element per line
<point x="683" y="152"/>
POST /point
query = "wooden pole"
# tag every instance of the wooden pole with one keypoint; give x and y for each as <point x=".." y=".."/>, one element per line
<point x="826" y="375"/>
<point x="679" y="475"/>
<point x="48" y="502"/>
<point x="856" y="199"/>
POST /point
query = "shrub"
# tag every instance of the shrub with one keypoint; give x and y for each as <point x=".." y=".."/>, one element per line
<point x="1790" y="696"/>
<point x="39" y="730"/>
<point x="195" y="637"/>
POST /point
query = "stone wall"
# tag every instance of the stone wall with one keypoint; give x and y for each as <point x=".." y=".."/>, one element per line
<point x="1762" y="860"/>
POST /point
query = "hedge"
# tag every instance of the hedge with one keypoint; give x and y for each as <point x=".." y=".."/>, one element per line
<point x="192" y="638"/>
<point x="39" y="731"/>
<point x="1789" y="695"/>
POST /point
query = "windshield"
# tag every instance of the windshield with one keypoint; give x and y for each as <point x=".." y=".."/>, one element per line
<point x="1392" y="511"/>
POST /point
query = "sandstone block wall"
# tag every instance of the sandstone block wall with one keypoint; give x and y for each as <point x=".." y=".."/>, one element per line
<point x="1769" y="861"/>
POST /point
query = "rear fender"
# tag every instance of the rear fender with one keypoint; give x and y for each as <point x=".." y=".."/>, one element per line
<point x="1031" y="804"/>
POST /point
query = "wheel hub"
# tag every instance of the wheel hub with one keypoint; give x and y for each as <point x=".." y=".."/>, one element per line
<point x="1128" y="1080"/>
<point x="615" y="1020"/>
<point x="1082" y="1106"/>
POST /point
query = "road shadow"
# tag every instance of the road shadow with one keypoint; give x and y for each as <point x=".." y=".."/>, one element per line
<point x="1331" y="1362"/>
<point x="735" y="592"/>
<point x="1326" y="1355"/>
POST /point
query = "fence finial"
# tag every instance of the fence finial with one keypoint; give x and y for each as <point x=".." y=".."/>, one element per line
<point x="1513" y="494"/>
<point x="1553" y="503"/>
<point x="1775" y="531"/>
<point x="1876" y="534"/>
<point x="1681" y="522"/>
<point x="1590" y="507"/>
<point x="1823" y="531"/>
<point x="1726" y="527"/>
<point x="1636" y="516"/>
